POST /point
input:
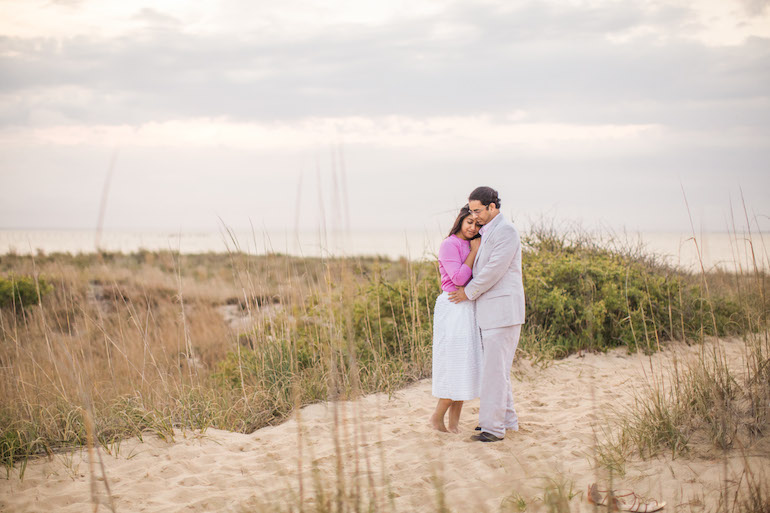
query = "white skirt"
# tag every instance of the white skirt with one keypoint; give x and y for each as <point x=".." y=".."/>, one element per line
<point x="456" y="350"/>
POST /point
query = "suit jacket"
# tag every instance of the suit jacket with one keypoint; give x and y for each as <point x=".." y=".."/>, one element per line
<point x="497" y="286"/>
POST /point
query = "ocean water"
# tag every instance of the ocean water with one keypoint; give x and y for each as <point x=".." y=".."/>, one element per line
<point x="735" y="252"/>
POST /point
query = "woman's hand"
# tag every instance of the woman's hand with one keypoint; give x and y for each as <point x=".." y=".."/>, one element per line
<point x="458" y="296"/>
<point x="474" y="249"/>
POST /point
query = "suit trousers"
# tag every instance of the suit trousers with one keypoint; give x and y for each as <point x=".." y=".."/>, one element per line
<point x="496" y="411"/>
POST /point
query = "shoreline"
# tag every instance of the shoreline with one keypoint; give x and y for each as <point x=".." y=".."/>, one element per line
<point x="723" y="250"/>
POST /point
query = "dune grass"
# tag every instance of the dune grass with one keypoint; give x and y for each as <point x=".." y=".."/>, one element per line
<point x="120" y="345"/>
<point x="706" y="398"/>
<point x="141" y="342"/>
<point x="704" y="404"/>
<point x="708" y="406"/>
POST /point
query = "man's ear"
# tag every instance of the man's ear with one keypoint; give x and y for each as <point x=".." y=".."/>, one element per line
<point x="493" y="204"/>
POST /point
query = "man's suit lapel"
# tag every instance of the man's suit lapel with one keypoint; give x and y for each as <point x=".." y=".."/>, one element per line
<point x="485" y="238"/>
<point x="481" y="249"/>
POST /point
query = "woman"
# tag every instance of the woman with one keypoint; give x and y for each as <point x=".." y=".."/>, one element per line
<point x="456" y="337"/>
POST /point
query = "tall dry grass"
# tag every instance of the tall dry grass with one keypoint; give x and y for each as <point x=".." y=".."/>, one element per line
<point x="157" y="341"/>
<point x="710" y="406"/>
<point x="153" y="342"/>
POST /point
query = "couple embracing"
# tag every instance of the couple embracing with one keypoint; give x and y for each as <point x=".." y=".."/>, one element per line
<point x="477" y="319"/>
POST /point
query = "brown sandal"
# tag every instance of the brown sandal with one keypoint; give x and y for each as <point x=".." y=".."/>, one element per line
<point x="625" y="500"/>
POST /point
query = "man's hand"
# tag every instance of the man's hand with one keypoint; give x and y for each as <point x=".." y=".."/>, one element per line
<point x="458" y="296"/>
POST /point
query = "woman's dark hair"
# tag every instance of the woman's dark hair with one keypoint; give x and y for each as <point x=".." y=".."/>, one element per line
<point x="464" y="212"/>
<point x="485" y="195"/>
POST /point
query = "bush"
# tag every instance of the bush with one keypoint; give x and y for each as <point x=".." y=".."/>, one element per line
<point x="17" y="292"/>
<point x="395" y="318"/>
<point x="366" y="336"/>
<point x="581" y="296"/>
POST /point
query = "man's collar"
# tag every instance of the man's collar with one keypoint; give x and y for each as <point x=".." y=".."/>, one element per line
<point x="494" y="220"/>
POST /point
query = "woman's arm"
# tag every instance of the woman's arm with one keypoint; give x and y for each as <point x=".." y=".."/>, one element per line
<point x="475" y="243"/>
<point x="450" y="257"/>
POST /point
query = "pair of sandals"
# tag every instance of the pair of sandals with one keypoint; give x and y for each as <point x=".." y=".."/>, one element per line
<point x="625" y="500"/>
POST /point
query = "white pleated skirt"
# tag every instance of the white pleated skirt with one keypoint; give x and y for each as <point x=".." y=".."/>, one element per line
<point x="456" y="350"/>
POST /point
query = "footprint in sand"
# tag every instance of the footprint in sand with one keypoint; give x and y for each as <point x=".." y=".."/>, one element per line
<point x="324" y="460"/>
<point x="239" y="448"/>
<point x="170" y="471"/>
<point x="192" y="481"/>
<point x="207" y="504"/>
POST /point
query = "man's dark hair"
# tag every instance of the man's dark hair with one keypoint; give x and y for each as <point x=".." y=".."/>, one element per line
<point x="485" y="195"/>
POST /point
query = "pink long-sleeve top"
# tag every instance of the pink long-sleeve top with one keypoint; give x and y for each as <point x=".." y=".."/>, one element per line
<point x="451" y="263"/>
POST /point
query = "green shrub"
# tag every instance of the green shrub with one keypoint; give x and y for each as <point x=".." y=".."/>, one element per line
<point x="392" y="318"/>
<point x="365" y="336"/>
<point x="580" y="296"/>
<point x="22" y="291"/>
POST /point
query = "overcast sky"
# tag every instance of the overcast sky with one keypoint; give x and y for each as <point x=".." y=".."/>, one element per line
<point x="290" y="114"/>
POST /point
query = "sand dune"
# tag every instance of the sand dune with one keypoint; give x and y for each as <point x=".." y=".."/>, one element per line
<point x="384" y="446"/>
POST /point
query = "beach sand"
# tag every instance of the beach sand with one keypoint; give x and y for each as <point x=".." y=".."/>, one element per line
<point x="385" y="447"/>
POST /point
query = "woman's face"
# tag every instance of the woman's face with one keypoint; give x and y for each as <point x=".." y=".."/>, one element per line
<point x="469" y="228"/>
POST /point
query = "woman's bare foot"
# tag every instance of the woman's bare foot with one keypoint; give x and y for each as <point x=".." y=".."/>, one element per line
<point x="437" y="419"/>
<point x="454" y="416"/>
<point x="437" y="423"/>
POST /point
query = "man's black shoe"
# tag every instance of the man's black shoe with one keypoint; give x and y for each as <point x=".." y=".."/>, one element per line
<point x="485" y="437"/>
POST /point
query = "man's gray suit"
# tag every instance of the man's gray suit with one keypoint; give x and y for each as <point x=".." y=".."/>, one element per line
<point x="498" y="291"/>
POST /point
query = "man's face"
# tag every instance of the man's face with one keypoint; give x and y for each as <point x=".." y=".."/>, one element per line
<point x="482" y="214"/>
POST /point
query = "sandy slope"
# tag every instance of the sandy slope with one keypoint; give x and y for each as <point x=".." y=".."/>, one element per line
<point x="387" y="443"/>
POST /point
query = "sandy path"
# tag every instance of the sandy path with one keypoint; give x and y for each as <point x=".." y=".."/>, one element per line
<point x="397" y="458"/>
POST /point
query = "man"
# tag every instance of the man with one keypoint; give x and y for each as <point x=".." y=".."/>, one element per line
<point x="498" y="291"/>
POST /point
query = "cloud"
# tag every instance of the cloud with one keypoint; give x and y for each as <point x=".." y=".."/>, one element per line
<point x="565" y="70"/>
<point x="156" y="18"/>
<point x="756" y="7"/>
<point x="549" y="99"/>
<point x="475" y="133"/>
